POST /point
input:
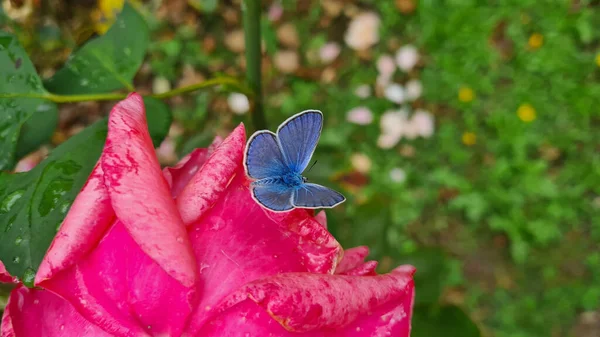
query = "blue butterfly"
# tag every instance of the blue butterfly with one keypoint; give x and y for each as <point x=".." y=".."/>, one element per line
<point x="276" y="162"/>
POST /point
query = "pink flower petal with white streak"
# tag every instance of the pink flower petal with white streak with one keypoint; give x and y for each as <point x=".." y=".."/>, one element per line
<point x="237" y="241"/>
<point x="321" y="218"/>
<point x="40" y="313"/>
<point x="124" y="291"/>
<point x="310" y="305"/>
<point x="353" y="258"/>
<point x="88" y="219"/>
<point x="207" y="185"/>
<point x="179" y="175"/>
<point x="139" y="193"/>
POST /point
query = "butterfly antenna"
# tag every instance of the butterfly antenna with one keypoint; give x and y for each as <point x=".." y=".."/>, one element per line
<point x="311" y="166"/>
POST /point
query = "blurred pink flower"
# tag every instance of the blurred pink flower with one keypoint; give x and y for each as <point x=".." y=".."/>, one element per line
<point x="407" y="57"/>
<point x="385" y="65"/>
<point x="31" y="160"/>
<point x="329" y="52"/>
<point x="360" y="115"/>
<point x="275" y="11"/>
<point x="363" y="31"/>
<point x="422" y="121"/>
<point x="186" y="251"/>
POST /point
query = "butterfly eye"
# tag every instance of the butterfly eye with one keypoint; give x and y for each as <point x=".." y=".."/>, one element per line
<point x="304" y="179"/>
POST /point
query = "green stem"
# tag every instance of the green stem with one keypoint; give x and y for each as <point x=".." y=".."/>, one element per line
<point x="251" y="12"/>
<point x="205" y="84"/>
<point x="119" y="96"/>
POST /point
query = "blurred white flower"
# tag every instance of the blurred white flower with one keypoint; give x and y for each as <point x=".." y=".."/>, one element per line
<point x="160" y="85"/>
<point x="387" y="140"/>
<point x="383" y="81"/>
<point x="397" y="175"/>
<point x="395" y="93"/>
<point x="363" y="31"/>
<point x="287" y="34"/>
<point x="363" y="91"/>
<point x="234" y="41"/>
<point x="361" y="162"/>
<point x="414" y="89"/>
<point x="407" y="57"/>
<point x="386" y="65"/>
<point x="329" y="52"/>
<point x="286" y="61"/>
<point x="238" y="103"/>
<point x="16" y="12"/>
<point x="411" y="129"/>
<point x="166" y="151"/>
<point x="360" y="115"/>
<point x="393" y="121"/>
<point x="423" y="122"/>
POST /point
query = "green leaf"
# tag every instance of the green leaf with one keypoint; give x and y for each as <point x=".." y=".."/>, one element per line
<point x="432" y="270"/>
<point x="447" y="321"/>
<point x="159" y="119"/>
<point x="33" y="204"/>
<point x="107" y="63"/>
<point x="20" y="89"/>
<point x="204" y="6"/>
<point x="36" y="131"/>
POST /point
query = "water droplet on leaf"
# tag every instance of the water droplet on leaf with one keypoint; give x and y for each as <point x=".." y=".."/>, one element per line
<point x="29" y="277"/>
<point x="10" y="200"/>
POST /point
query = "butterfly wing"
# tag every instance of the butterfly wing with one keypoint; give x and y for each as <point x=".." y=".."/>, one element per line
<point x="275" y="197"/>
<point x="298" y="136"/>
<point x="316" y="196"/>
<point x="263" y="157"/>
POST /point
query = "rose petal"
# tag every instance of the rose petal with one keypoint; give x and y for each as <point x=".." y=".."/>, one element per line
<point x="36" y="312"/>
<point x="88" y="219"/>
<point x="321" y="305"/>
<point x="140" y="195"/>
<point x="179" y="175"/>
<point x="5" y="277"/>
<point x="207" y="185"/>
<point x="237" y="241"/>
<point x="365" y="269"/>
<point x="353" y="258"/>
<point x="124" y="291"/>
<point x="321" y="218"/>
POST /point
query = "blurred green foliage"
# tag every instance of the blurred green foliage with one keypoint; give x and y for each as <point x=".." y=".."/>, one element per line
<point x="504" y="228"/>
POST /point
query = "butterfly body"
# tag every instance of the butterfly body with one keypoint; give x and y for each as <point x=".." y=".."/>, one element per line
<point x="276" y="162"/>
<point x="291" y="180"/>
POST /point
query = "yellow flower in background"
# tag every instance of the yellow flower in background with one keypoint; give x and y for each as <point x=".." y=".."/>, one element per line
<point x="598" y="59"/>
<point x="469" y="138"/>
<point x="466" y="94"/>
<point x="536" y="40"/>
<point x="526" y="113"/>
<point x="105" y="14"/>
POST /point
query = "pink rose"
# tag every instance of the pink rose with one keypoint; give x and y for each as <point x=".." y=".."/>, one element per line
<point x="187" y="252"/>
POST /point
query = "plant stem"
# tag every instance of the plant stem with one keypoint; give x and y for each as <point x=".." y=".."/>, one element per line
<point x="252" y="37"/>
<point x="205" y="84"/>
<point x="119" y="96"/>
